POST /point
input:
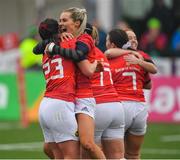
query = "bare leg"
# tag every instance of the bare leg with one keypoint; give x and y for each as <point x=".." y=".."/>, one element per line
<point x="133" y="145"/>
<point x="113" y="149"/>
<point x="84" y="154"/>
<point x="52" y="150"/>
<point x="70" y="149"/>
<point x="86" y="135"/>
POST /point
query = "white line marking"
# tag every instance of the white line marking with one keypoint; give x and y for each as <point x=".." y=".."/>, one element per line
<point x="32" y="146"/>
<point x="170" y="138"/>
<point x="161" y="151"/>
<point x="9" y="126"/>
<point x="38" y="146"/>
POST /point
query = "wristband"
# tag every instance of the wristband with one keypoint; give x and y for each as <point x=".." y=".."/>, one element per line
<point x="51" y="46"/>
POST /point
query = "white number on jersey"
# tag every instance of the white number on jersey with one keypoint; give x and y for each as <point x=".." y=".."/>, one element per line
<point x="102" y="76"/>
<point x="47" y="67"/>
<point x="133" y="75"/>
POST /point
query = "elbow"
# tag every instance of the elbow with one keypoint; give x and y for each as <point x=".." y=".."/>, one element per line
<point x="154" y="71"/>
<point x="36" y="51"/>
<point x="147" y="85"/>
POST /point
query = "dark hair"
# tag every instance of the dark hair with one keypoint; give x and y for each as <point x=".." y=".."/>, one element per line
<point x="93" y="32"/>
<point x="48" y="28"/>
<point x="118" y="37"/>
<point x="88" y="29"/>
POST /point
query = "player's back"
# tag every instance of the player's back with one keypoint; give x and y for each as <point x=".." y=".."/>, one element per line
<point x="102" y="83"/>
<point x="128" y="79"/>
<point x="60" y="75"/>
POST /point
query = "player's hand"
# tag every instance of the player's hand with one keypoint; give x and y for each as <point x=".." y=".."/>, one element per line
<point x="137" y="54"/>
<point x="131" y="59"/>
<point x="66" y="36"/>
<point x="99" y="67"/>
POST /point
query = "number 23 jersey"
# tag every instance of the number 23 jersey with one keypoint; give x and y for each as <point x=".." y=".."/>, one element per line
<point x="60" y="75"/>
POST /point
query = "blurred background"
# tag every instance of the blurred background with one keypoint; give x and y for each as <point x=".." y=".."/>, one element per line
<point x="157" y="26"/>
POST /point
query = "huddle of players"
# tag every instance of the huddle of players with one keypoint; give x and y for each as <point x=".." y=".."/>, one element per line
<point x="86" y="92"/>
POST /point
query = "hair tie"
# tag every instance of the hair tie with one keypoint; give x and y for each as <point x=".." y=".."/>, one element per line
<point x="83" y="10"/>
<point x="127" y="45"/>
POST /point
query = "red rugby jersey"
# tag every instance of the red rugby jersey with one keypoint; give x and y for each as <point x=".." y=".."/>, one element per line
<point x="60" y="75"/>
<point x="128" y="79"/>
<point x="83" y="83"/>
<point x="102" y="83"/>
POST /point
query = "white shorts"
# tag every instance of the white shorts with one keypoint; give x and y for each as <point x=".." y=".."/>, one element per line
<point x="109" y="121"/>
<point x="85" y="106"/>
<point x="136" y="114"/>
<point x="57" y="120"/>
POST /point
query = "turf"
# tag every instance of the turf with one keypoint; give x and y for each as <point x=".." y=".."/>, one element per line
<point x="26" y="143"/>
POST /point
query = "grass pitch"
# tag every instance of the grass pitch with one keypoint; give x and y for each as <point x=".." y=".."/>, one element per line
<point x="162" y="141"/>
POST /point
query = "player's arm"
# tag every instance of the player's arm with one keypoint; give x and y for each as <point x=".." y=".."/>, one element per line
<point x="147" y="85"/>
<point x="147" y="81"/>
<point x="115" y="52"/>
<point x="84" y="65"/>
<point x="87" y="68"/>
<point x="147" y="64"/>
<point x="77" y="54"/>
<point x="40" y="47"/>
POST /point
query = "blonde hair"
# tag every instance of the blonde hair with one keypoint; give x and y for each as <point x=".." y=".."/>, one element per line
<point x="78" y="14"/>
<point x="95" y="35"/>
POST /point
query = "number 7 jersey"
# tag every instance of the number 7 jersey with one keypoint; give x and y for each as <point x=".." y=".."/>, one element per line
<point x="128" y="79"/>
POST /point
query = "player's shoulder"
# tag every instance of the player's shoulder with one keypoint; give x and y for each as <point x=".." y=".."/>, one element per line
<point x="145" y="55"/>
<point x="68" y="44"/>
<point x="117" y="61"/>
<point x="85" y="37"/>
<point x="99" y="52"/>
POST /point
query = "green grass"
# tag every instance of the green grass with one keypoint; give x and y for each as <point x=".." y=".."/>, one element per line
<point x="155" y="147"/>
<point x="12" y="133"/>
<point x="19" y="143"/>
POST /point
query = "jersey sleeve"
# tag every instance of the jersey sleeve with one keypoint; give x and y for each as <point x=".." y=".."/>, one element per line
<point x="85" y="40"/>
<point x="67" y="50"/>
<point x="146" y="57"/>
<point x="40" y="47"/>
